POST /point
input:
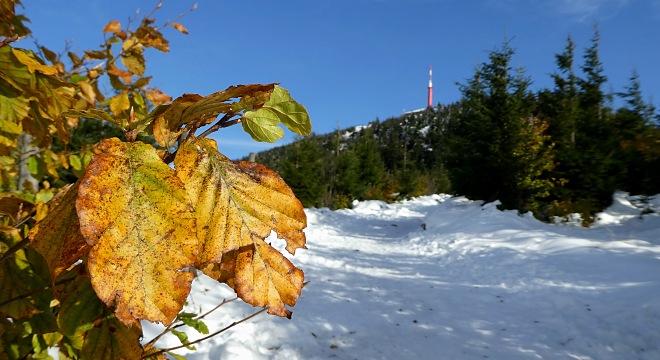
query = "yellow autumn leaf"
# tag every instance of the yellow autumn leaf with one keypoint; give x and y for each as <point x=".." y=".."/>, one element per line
<point x="261" y="276"/>
<point x="112" y="26"/>
<point x="119" y="103"/>
<point x="88" y="92"/>
<point x="135" y="213"/>
<point x="32" y="64"/>
<point x="237" y="206"/>
<point x="57" y="236"/>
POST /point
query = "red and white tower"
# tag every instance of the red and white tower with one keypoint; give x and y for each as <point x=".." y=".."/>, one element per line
<point x="430" y="86"/>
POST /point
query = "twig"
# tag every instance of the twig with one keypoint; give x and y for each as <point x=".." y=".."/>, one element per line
<point x="224" y="302"/>
<point x="169" y="327"/>
<point x="169" y="22"/>
<point x="11" y="39"/>
<point x="162" y="351"/>
<point x="23" y="243"/>
<point x="222" y="123"/>
<point x="36" y="291"/>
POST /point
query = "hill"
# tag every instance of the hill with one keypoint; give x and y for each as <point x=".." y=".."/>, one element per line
<point x="387" y="160"/>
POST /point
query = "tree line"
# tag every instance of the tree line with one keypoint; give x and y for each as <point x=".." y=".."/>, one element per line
<point x="553" y="151"/>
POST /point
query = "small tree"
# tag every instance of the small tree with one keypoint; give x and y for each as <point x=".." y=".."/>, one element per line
<point x="81" y="265"/>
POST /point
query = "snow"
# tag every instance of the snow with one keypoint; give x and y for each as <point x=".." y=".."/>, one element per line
<point x="441" y="277"/>
<point x="357" y="129"/>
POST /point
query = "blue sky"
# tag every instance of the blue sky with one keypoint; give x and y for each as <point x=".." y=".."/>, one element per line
<point x="352" y="61"/>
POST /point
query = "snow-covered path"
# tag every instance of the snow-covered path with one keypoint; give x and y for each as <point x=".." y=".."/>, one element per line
<point x="438" y="278"/>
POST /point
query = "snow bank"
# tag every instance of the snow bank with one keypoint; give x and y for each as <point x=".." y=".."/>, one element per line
<point x="447" y="278"/>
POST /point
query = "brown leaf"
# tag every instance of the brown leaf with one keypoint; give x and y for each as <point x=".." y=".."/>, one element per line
<point x="112" y="26"/>
<point x="136" y="215"/>
<point x="57" y="237"/>
<point x="237" y="206"/>
<point x="16" y="208"/>
<point x="180" y="28"/>
<point x="157" y="97"/>
<point x="167" y="126"/>
<point x="123" y="74"/>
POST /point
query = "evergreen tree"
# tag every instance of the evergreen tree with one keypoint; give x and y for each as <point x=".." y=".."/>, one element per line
<point x="485" y="137"/>
<point x="634" y="127"/>
<point x="348" y="183"/>
<point x="372" y="168"/>
<point x="303" y="171"/>
<point x="594" y="173"/>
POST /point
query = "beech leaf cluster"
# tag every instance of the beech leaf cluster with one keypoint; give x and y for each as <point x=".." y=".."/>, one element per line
<point x="110" y="233"/>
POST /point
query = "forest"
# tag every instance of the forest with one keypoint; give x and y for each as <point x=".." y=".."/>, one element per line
<point x="554" y="151"/>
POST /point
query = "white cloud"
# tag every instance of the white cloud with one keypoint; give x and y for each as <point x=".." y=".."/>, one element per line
<point x="587" y="9"/>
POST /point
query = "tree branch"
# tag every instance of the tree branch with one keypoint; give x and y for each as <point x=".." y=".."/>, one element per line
<point x="162" y="351"/>
<point x="11" y="39"/>
<point x="167" y="329"/>
<point x="222" y="123"/>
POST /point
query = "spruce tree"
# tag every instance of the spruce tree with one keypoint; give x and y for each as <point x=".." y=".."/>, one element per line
<point x="594" y="175"/>
<point x="303" y="171"/>
<point x="485" y="136"/>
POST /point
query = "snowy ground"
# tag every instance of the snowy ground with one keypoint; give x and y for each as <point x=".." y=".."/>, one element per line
<point x="478" y="283"/>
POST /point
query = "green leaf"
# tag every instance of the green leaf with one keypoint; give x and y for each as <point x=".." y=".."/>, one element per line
<point x="176" y="356"/>
<point x="74" y="161"/>
<point x="198" y="325"/>
<point x="79" y="308"/>
<point x="292" y="114"/>
<point x="16" y="74"/>
<point x="262" y="123"/>
<point x="13" y="110"/>
<point x="24" y="272"/>
<point x="183" y="337"/>
<point x="110" y="339"/>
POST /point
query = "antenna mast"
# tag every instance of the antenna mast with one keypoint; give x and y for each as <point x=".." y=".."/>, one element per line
<point x="430" y="86"/>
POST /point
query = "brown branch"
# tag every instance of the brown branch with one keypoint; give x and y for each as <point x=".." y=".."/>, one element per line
<point x="170" y="22"/>
<point x="169" y="327"/>
<point x="162" y="351"/>
<point x="11" y="39"/>
<point x="222" y="123"/>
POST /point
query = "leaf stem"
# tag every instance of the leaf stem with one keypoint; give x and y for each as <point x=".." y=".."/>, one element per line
<point x="162" y="351"/>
